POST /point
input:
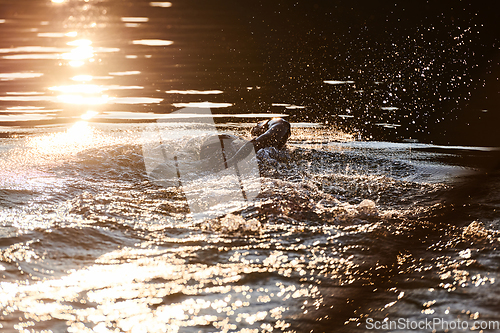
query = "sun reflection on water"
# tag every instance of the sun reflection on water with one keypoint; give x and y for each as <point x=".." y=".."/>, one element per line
<point x="78" y="88"/>
<point x="83" y="51"/>
<point x="82" y="78"/>
<point x="89" y="115"/>
<point x="81" y="93"/>
<point x="76" y="138"/>
<point x="78" y="99"/>
<point x="148" y="293"/>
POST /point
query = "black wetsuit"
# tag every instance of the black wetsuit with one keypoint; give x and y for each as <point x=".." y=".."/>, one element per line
<point x="270" y="133"/>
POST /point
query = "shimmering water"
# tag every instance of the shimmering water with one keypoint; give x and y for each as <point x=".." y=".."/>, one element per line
<point x="374" y="209"/>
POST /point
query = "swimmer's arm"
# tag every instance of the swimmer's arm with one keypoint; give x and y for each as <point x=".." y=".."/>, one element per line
<point x="272" y="135"/>
<point x="241" y="154"/>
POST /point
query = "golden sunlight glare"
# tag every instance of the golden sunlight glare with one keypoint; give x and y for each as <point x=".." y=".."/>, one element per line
<point x="80" y="42"/>
<point x="79" y="99"/>
<point x="83" y="51"/>
<point x="78" y="88"/>
<point x="89" y="115"/>
<point x="76" y="63"/>
<point x="82" y="78"/>
<point x="76" y="138"/>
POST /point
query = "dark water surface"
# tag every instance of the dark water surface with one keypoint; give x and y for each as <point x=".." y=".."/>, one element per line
<point x="385" y="203"/>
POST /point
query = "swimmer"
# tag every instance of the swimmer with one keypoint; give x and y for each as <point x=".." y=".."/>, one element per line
<point x="271" y="133"/>
<point x="268" y="133"/>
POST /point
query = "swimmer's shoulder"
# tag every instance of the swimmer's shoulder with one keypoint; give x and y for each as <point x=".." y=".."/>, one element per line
<point x="278" y="121"/>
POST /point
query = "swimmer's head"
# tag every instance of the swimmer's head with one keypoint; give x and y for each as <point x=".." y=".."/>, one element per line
<point x="260" y="128"/>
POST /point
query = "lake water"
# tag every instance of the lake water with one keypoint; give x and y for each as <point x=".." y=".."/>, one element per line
<point x="384" y="204"/>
